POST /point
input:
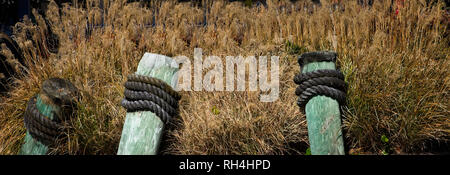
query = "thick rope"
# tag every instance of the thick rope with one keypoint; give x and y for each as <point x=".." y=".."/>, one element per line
<point x="38" y="135"/>
<point x="309" y="93"/>
<point x="141" y="95"/>
<point x="326" y="81"/>
<point x="38" y="117"/>
<point x="144" y="93"/>
<point x="299" y="78"/>
<point x="31" y="119"/>
<point x="39" y="126"/>
<point x="144" y="105"/>
<point x="139" y="86"/>
<point x="155" y="82"/>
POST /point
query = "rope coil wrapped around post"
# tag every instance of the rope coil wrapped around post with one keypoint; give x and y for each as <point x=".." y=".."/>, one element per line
<point x="147" y="93"/>
<point x="46" y="114"/>
<point x="321" y="93"/>
<point x="325" y="82"/>
<point x="39" y="126"/>
<point x="151" y="103"/>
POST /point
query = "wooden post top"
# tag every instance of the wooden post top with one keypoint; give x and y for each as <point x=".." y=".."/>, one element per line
<point x="318" y="56"/>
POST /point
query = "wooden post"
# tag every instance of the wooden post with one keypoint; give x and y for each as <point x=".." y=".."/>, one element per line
<point x="323" y="117"/>
<point x="31" y="145"/>
<point x="54" y="88"/>
<point x="142" y="130"/>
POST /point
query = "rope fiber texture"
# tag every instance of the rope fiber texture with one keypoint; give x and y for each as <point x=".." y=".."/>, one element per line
<point x="325" y="82"/>
<point x="144" y="93"/>
<point x="39" y="126"/>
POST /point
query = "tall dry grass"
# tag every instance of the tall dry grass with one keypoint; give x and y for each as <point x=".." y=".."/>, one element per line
<point x="396" y="66"/>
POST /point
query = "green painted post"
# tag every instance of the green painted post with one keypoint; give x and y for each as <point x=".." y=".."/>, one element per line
<point x="31" y="145"/>
<point x="323" y="117"/>
<point x="142" y="130"/>
<point x="53" y="88"/>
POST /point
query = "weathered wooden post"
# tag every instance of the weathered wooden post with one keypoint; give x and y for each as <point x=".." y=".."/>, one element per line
<point x="150" y="104"/>
<point x="45" y="114"/>
<point x="321" y="90"/>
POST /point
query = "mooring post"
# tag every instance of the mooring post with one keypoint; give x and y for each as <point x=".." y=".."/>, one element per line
<point x="142" y="130"/>
<point x="45" y="114"/>
<point x="321" y="91"/>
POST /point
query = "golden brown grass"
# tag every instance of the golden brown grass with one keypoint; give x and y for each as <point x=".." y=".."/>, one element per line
<point x="397" y="68"/>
